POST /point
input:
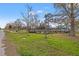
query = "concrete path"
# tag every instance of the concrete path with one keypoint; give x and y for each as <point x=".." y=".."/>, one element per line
<point x="2" y="48"/>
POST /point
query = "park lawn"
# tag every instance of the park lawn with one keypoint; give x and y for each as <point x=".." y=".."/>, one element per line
<point x="31" y="44"/>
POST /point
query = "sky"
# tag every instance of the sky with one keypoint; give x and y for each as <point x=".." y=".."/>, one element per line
<point x="9" y="12"/>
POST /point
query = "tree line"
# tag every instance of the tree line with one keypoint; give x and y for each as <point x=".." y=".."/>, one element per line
<point x="67" y="14"/>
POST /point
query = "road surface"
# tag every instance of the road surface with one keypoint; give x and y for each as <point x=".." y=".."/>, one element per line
<point x="2" y="48"/>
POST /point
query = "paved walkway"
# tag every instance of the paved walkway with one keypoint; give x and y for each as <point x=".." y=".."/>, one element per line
<point x="2" y="48"/>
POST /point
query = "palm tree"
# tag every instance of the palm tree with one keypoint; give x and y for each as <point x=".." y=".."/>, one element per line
<point x="71" y="12"/>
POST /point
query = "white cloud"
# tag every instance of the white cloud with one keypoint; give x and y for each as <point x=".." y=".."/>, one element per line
<point x="32" y="13"/>
<point x="53" y="25"/>
<point x="35" y="12"/>
<point x="40" y="11"/>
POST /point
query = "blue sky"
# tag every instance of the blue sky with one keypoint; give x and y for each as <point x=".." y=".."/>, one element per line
<point x="10" y="12"/>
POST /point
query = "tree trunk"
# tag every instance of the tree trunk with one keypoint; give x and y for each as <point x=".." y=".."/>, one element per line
<point x="72" y="31"/>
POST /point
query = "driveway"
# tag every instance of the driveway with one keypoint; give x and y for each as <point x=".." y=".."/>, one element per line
<point x="2" y="49"/>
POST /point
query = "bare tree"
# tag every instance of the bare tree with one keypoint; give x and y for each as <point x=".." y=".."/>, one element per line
<point x="48" y="19"/>
<point x="30" y="18"/>
<point x="18" y="25"/>
<point x="71" y="11"/>
<point x="10" y="26"/>
<point x="26" y="16"/>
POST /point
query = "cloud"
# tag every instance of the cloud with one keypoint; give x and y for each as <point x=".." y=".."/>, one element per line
<point x="35" y="12"/>
<point x="32" y="13"/>
<point x="40" y="11"/>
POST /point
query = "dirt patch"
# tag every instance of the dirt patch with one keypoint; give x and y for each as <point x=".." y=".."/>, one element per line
<point x="75" y="38"/>
<point x="10" y="49"/>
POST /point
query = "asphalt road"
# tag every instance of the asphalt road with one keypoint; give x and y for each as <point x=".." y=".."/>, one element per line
<point x="2" y="48"/>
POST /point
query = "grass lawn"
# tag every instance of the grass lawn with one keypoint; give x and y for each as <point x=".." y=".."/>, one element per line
<point x="31" y="44"/>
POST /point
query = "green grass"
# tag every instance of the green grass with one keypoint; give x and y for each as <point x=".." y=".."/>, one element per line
<point x="31" y="44"/>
